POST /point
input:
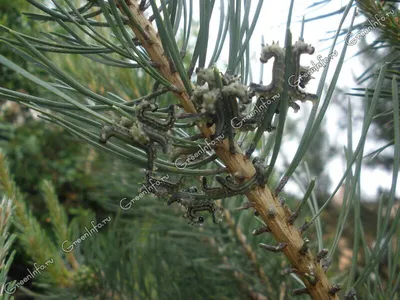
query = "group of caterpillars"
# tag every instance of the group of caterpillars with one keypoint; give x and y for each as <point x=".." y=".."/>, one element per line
<point x="219" y="99"/>
<point x="142" y="133"/>
<point x="296" y="84"/>
<point x="195" y="200"/>
<point x="222" y="98"/>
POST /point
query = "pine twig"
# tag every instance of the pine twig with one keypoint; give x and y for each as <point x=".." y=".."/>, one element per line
<point x="262" y="197"/>
<point x="34" y="239"/>
<point x="239" y="276"/>
<point x="387" y="21"/>
<point x="248" y="250"/>
<point x="6" y="241"/>
<point x="58" y="218"/>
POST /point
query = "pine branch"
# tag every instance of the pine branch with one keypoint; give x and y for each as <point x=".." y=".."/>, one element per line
<point x="6" y="241"/>
<point x="58" y="218"/>
<point x="252" y="256"/>
<point x="266" y="204"/>
<point x="238" y="275"/>
<point x="252" y="294"/>
<point x="37" y="244"/>
<point x="386" y="20"/>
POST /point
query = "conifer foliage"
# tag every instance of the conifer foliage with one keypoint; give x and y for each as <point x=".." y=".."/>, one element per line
<point x="202" y="134"/>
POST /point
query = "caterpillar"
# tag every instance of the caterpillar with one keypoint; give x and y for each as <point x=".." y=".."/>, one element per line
<point x="276" y="86"/>
<point x="217" y="96"/>
<point x="145" y="106"/>
<point x="300" y="48"/>
<point x="278" y="68"/>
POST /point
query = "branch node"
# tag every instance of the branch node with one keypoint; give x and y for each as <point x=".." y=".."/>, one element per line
<point x="281" y="185"/>
<point x="271" y="212"/>
<point x="334" y="289"/>
<point x="304" y="249"/>
<point x="292" y="218"/>
<point x="156" y="65"/>
<point x="322" y="254"/>
<point x="304" y="227"/>
<point x="277" y="248"/>
<point x="286" y="209"/>
<point x="142" y="5"/>
<point x="288" y="271"/>
<point x="311" y="278"/>
<point x="298" y="292"/>
<point x="171" y="65"/>
<point x="261" y="230"/>
<point x="239" y="176"/>
<point x="325" y="264"/>
<point x="247" y="205"/>
<point x="351" y="294"/>
<point x="299" y="208"/>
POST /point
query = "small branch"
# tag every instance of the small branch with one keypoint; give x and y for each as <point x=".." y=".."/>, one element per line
<point x="304" y="248"/>
<point x="261" y="230"/>
<point x="322" y="254"/>
<point x="265" y="202"/>
<point x="248" y="250"/>
<point x="277" y="248"/>
<point x="239" y="276"/>
<point x="294" y="215"/>
<point x="335" y="288"/>
<point x="301" y="291"/>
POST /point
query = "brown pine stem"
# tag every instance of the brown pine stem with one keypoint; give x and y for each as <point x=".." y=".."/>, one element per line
<point x="264" y="201"/>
